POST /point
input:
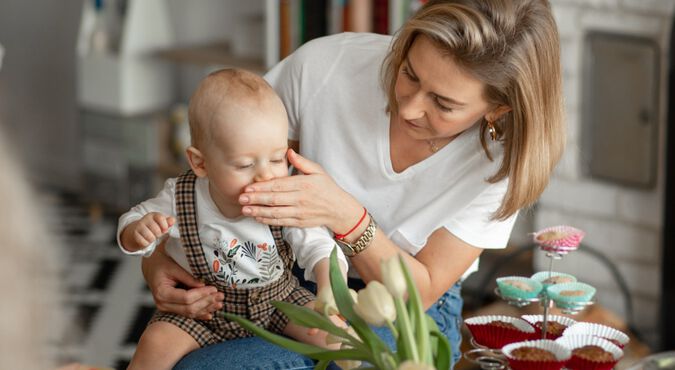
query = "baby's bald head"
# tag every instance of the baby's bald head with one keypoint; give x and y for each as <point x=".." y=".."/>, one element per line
<point x="222" y="96"/>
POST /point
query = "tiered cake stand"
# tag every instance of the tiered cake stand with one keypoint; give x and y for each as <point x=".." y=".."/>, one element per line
<point x="555" y="249"/>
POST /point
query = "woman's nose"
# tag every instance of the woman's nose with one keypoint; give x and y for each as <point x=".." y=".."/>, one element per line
<point x="413" y="106"/>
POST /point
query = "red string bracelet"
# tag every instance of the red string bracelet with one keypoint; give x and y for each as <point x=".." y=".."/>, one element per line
<point x="342" y="236"/>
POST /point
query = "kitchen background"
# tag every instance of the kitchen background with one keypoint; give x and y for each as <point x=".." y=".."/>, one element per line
<point x="93" y="94"/>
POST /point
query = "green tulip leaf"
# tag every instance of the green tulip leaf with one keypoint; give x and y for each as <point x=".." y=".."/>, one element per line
<point x="302" y="348"/>
<point x="433" y="328"/>
<point x="317" y="353"/>
<point x="345" y="305"/>
<point x="343" y="299"/>
<point x="401" y="350"/>
<point x="443" y="352"/>
<point x="405" y="332"/>
<point x="309" y="318"/>
<point x="418" y="316"/>
<point x="322" y="365"/>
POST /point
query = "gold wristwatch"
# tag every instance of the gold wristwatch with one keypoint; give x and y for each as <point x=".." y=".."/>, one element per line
<point x="360" y="244"/>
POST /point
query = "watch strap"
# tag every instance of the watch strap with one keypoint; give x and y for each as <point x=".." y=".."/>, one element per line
<point x="363" y="242"/>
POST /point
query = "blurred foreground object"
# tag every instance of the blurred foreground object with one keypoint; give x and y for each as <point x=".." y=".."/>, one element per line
<point x="28" y="272"/>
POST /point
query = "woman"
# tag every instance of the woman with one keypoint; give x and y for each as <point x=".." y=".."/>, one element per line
<point x="464" y="131"/>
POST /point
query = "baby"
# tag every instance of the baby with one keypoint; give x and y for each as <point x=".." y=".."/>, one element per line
<point x="239" y="136"/>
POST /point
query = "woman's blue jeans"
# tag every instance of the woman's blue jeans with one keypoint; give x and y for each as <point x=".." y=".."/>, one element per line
<point x="256" y="353"/>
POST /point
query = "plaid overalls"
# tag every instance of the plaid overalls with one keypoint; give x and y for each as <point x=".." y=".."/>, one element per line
<point x="252" y="303"/>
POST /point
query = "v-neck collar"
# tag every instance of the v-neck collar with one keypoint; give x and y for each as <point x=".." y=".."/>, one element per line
<point x="442" y="154"/>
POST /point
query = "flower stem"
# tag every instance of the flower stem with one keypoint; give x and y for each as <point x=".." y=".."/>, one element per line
<point x="391" y="362"/>
<point x="406" y="329"/>
<point x="391" y="326"/>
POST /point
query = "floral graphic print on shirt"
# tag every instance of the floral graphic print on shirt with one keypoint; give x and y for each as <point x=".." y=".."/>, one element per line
<point x="242" y="263"/>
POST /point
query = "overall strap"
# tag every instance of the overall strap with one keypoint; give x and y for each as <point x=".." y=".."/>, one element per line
<point x="186" y="210"/>
<point x="284" y="250"/>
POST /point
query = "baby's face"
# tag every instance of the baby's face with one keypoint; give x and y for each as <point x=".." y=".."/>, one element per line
<point x="250" y="147"/>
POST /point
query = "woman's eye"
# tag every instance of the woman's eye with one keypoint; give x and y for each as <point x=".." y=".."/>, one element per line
<point x="406" y="72"/>
<point x="442" y="107"/>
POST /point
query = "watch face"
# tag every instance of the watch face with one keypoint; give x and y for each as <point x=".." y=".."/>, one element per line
<point x="347" y="248"/>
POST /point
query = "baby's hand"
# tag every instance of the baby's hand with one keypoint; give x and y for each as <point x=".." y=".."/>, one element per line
<point x="151" y="227"/>
<point x="338" y="320"/>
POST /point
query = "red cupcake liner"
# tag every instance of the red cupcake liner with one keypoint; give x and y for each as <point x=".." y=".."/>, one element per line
<point x="577" y="363"/>
<point x="534" y="319"/>
<point x="568" y="241"/>
<point x="577" y="341"/>
<point x="561" y="353"/>
<point x="491" y="336"/>
<point x="606" y="332"/>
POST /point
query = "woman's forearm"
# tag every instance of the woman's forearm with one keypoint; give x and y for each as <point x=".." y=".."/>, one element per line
<point x="435" y="268"/>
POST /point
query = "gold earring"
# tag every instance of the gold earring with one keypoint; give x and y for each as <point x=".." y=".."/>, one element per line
<point x="491" y="130"/>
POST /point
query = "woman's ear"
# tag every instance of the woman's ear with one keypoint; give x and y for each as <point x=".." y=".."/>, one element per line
<point x="497" y="113"/>
<point x="197" y="161"/>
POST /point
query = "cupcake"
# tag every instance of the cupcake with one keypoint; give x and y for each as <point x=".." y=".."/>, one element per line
<point x="518" y="287"/>
<point x="555" y="326"/>
<point x="536" y="354"/>
<point x="496" y="331"/>
<point x="586" y="328"/>
<point x="552" y="278"/>
<point x="593" y="353"/>
<point x="559" y="239"/>
<point x="590" y="353"/>
<point x="569" y="295"/>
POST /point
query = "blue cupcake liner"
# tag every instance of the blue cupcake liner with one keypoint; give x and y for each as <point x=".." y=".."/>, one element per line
<point x="511" y="291"/>
<point x="543" y="275"/>
<point x="554" y="292"/>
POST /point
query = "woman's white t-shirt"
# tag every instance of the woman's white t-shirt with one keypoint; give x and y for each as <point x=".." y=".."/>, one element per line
<point x="337" y="111"/>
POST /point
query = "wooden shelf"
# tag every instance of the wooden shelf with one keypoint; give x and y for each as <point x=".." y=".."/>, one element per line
<point x="212" y="54"/>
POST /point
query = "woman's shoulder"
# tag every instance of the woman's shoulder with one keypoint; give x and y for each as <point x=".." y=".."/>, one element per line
<point x="347" y="40"/>
<point x="343" y="47"/>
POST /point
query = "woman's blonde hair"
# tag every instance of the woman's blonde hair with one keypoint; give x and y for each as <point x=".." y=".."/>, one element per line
<point x="511" y="46"/>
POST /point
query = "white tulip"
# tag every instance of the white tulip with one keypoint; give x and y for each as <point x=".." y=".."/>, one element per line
<point x="375" y="305"/>
<point x="347" y="364"/>
<point x="354" y="295"/>
<point x="325" y="302"/>
<point x="392" y="276"/>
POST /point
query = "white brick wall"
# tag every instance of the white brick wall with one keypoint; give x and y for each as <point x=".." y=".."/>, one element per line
<point x="624" y="224"/>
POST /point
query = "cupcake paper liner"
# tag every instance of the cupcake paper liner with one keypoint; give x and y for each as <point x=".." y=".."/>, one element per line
<point x="577" y="341"/>
<point x="567" y="238"/>
<point x="491" y="336"/>
<point x="534" y="319"/>
<point x="562" y="353"/>
<point x="510" y="291"/>
<point x="543" y="275"/>
<point x="566" y="301"/>
<point x="598" y="330"/>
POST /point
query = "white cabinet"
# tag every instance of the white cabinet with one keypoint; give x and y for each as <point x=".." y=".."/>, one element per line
<point x="117" y="72"/>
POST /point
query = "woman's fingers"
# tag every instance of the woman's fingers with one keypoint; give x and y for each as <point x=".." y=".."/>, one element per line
<point x="193" y="311"/>
<point x="289" y="222"/>
<point x="303" y="164"/>
<point x="269" y="198"/>
<point x="177" y="274"/>
<point x="257" y="210"/>
<point x="167" y="294"/>
<point x="281" y="184"/>
<point x="191" y="303"/>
